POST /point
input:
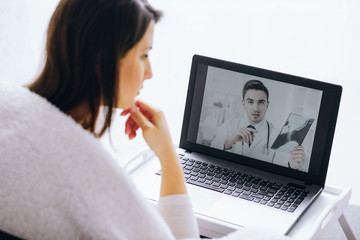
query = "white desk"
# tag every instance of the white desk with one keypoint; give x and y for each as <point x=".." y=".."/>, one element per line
<point x="317" y="220"/>
<point x="324" y="212"/>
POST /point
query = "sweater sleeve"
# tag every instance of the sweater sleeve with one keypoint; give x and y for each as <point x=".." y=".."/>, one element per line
<point x="178" y="214"/>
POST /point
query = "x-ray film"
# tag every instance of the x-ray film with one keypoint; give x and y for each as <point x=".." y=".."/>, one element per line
<point x="292" y="133"/>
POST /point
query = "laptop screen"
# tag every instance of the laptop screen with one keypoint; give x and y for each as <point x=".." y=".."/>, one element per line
<point x="260" y="118"/>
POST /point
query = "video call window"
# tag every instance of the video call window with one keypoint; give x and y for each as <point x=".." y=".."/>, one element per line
<point x="288" y="120"/>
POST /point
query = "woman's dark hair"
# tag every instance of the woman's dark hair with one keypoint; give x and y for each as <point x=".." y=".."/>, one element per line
<point x="256" y="85"/>
<point x="85" y="41"/>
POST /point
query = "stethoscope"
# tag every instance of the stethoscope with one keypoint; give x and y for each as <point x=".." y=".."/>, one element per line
<point x="267" y="142"/>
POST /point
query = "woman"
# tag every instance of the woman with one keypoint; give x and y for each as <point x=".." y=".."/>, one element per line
<point x="56" y="181"/>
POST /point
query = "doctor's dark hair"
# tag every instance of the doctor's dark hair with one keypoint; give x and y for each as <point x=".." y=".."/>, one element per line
<point x="256" y="85"/>
<point x="85" y="41"/>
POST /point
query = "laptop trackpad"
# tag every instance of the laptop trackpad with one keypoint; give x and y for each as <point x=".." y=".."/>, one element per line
<point x="198" y="195"/>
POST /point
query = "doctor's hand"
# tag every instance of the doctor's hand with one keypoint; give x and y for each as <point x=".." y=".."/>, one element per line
<point x="243" y="134"/>
<point x="297" y="157"/>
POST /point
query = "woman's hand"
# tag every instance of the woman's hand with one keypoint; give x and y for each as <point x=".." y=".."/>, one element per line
<point x="156" y="134"/>
<point x="153" y="125"/>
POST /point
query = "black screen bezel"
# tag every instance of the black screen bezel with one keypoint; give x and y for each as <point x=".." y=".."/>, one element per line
<point x="324" y="133"/>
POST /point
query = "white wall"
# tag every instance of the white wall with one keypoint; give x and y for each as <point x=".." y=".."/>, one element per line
<point x="318" y="39"/>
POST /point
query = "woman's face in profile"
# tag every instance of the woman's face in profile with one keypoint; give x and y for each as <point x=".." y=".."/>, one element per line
<point x="134" y="69"/>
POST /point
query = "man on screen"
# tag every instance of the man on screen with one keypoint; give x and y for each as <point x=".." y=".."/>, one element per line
<point x="254" y="135"/>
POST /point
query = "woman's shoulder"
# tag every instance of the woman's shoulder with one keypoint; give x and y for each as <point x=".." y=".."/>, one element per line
<point x="9" y="90"/>
<point x="51" y="148"/>
<point x="15" y="98"/>
<point x="31" y="121"/>
<point x="24" y="105"/>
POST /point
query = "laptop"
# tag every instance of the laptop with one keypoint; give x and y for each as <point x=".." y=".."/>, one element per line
<point x="255" y="144"/>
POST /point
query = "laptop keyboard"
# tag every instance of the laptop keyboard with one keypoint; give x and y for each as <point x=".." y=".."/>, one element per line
<point x="236" y="184"/>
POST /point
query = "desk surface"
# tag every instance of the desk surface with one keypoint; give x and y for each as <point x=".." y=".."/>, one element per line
<point x="324" y="212"/>
<point x="316" y="221"/>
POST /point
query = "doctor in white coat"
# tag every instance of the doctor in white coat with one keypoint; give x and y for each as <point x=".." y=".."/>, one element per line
<point x="253" y="135"/>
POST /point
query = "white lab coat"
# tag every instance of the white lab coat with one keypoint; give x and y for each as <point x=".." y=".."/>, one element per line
<point x="261" y="145"/>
